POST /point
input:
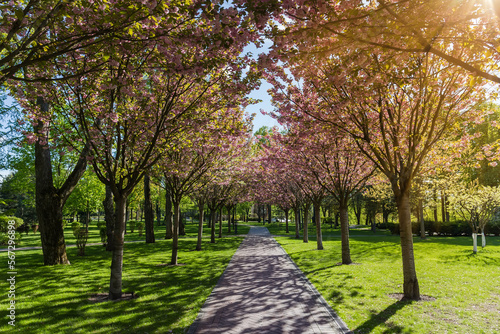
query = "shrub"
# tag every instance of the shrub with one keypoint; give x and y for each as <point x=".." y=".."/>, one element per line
<point x="103" y="234"/>
<point x="327" y="220"/>
<point x="4" y="223"/>
<point x="493" y="228"/>
<point x="81" y="241"/>
<point x="140" y="227"/>
<point x="101" y="224"/>
<point x="394" y="228"/>
<point x="131" y="225"/>
<point x="4" y="228"/>
<point x="76" y="228"/>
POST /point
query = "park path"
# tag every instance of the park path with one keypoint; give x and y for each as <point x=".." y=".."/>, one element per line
<point x="263" y="292"/>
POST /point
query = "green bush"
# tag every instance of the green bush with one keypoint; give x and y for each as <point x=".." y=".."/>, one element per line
<point x="452" y="228"/>
<point x="4" y="223"/>
<point x="4" y="238"/>
<point x="103" y="234"/>
<point x="4" y="229"/>
<point x="75" y="226"/>
<point x="131" y="225"/>
<point x="140" y="227"/>
<point x="81" y="241"/>
<point x="493" y="228"/>
<point x="327" y="220"/>
<point x="101" y="224"/>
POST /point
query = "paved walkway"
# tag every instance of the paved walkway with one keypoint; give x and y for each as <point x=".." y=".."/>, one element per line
<point x="263" y="292"/>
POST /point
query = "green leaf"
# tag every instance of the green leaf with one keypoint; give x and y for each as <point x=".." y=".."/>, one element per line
<point x="19" y="14"/>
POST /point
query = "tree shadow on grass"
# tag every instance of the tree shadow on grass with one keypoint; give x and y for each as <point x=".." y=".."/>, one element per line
<point x="382" y="318"/>
<point x="168" y="297"/>
<point x="483" y="257"/>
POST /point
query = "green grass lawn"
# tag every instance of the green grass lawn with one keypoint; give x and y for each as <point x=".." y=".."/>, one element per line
<point x="33" y="239"/>
<point x="56" y="299"/>
<point x="327" y="230"/>
<point x="466" y="287"/>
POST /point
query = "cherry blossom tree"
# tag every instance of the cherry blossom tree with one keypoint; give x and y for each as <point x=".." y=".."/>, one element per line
<point x="35" y="32"/>
<point x="461" y="33"/>
<point x="330" y="158"/>
<point x="193" y="159"/>
<point x="395" y="114"/>
<point x="129" y="112"/>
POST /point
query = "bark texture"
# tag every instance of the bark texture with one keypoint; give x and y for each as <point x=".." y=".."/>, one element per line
<point x="410" y="283"/>
<point x="148" y="211"/>
<point x="50" y="200"/>
<point x="212" y="226"/>
<point x="115" y="282"/>
<point x="317" y="218"/>
<point x="344" y="231"/>
<point x="286" y="220"/>
<point x="306" y="222"/>
<point x="175" y="234"/>
<point x="168" y="215"/>
<point x="109" y="217"/>
<point x="297" y="223"/>
<point x="201" y="205"/>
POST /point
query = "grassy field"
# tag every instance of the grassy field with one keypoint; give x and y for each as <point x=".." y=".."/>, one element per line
<point x="327" y="230"/>
<point x="56" y="299"/>
<point x="465" y="288"/>
<point x="33" y="239"/>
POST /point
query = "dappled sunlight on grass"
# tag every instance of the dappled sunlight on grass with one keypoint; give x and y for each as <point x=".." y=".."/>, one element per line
<point x="56" y="299"/>
<point x="33" y="239"/>
<point x="465" y="285"/>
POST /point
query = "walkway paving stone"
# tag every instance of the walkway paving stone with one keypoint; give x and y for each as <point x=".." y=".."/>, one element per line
<point x="262" y="291"/>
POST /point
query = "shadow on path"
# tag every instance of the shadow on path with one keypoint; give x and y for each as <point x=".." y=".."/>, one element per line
<point x="262" y="291"/>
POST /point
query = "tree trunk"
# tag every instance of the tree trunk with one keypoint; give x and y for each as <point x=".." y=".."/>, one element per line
<point x="306" y="222"/>
<point x="483" y="239"/>
<point x="443" y="210"/>
<point x="286" y="220"/>
<point x="319" y="236"/>
<point x="115" y="282"/>
<point x="410" y="285"/>
<point x="474" y="243"/>
<point x="175" y="233"/>
<point x="49" y="200"/>
<point x="212" y="226"/>
<point x="258" y="213"/>
<point x="297" y="223"/>
<point x="421" y="217"/>
<point x="168" y="215"/>
<point x="233" y="216"/>
<point x="269" y="213"/>
<point x="229" y="208"/>
<point x="50" y="219"/>
<point x="148" y="211"/>
<point x="357" y="208"/>
<point x="220" y="223"/>
<point x="182" y="226"/>
<point x="109" y="217"/>
<point x="301" y="225"/>
<point x="435" y="213"/>
<point x="344" y="231"/>
<point x="158" y="214"/>
<point x="201" y="205"/>
<point x="87" y="217"/>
